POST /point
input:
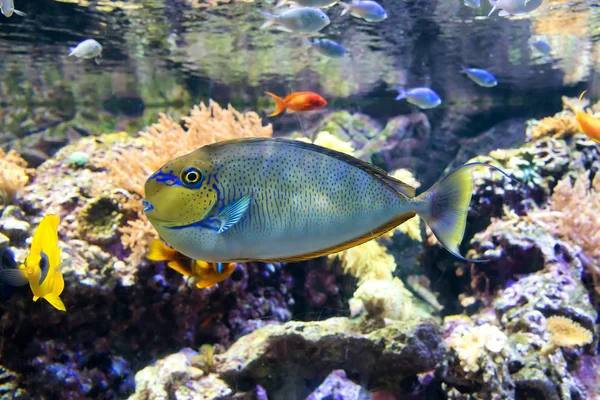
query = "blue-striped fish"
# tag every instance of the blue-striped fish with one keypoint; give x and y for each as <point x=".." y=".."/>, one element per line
<point x="283" y="200"/>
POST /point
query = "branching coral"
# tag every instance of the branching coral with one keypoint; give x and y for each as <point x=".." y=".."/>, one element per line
<point x="557" y="126"/>
<point x="574" y="215"/>
<point x="369" y="261"/>
<point x="14" y="175"/>
<point x="128" y="166"/>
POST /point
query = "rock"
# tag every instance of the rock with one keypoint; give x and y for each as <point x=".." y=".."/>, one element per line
<point x="380" y="356"/>
<point x="12" y="224"/>
<point x="174" y="377"/>
<point x="338" y="386"/>
<point x="4" y="241"/>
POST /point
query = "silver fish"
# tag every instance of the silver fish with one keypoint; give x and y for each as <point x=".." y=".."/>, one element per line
<point x="514" y="7"/>
<point x="8" y="8"/>
<point x="89" y="48"/>
<point x="298" y="20"/>
<point x="308" y="3"/>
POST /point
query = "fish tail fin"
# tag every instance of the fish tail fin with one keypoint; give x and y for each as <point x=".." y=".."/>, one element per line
<point x="446" y="206"/>
<point x="401" y="93"/>
<point x="19" y="13"/>
<point x="55" y="301"/>
<point x="271" y="19"/>
<point x="161" y="252"/>
<point x="71" y="51"/>
<point x="346" y="7"/>
<point x="463" y="69"/>
<point x="279" y="104"/>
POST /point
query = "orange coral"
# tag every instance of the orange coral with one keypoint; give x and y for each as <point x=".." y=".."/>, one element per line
<point x="129" y="165"/>
<point x="14" y="175"/>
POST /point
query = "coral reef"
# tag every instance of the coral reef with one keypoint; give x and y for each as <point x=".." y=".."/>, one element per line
<point x="14" y="175"/>
<point x="177" y="377"/>
<point x="285" y="358"/>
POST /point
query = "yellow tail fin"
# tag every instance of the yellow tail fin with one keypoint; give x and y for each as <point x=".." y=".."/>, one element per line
<point x="446" y="205"/>
<point x="279" y="104"/>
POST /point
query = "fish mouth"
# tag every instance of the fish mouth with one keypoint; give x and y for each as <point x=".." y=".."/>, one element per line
<point x="148" y="206"/>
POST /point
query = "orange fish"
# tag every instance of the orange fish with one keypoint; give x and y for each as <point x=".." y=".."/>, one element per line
<point x="299" y="101"/>
<point x="207" y="274"/>
<point x="588" y="124"/>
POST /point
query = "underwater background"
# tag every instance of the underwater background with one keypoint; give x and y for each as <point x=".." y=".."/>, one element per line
<point x="397" y="317"/>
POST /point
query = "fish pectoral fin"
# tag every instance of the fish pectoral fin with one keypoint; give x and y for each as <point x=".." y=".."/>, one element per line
<point x="20" y="13"/>
<point x="55" y="301"/>
<point x="284" y="29"/>
<point x="233" y="212"/>
<point x="14" y="277"/>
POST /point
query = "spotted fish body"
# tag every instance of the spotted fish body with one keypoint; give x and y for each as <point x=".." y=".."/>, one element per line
<point x="288" y="201"/>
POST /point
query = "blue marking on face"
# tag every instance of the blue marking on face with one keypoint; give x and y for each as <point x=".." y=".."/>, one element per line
<point x="147" y="205"/>
<point x="169" y="179"/>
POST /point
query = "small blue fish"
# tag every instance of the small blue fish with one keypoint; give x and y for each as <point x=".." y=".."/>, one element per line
<point x="473" y="3"/>
<point x="542" y="47"/>
<point x="370" y="11"/>
<point x="298" y="19"/>
<point x="480" y="76"/>
<point x="328" y="47"/>
<point x="422" y="97"/>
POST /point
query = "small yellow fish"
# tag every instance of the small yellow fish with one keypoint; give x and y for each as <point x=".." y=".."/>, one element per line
<point x="207" y="274"/>
<point x="588" y="124"/>
<point x="42" y="267"/>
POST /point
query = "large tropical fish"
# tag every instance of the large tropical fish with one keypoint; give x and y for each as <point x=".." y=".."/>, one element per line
<point x="283" y="200"/>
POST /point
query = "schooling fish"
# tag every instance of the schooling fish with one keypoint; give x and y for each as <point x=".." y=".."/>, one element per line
<point x="298" y="101"/>
<point x="308" y="3"/>
<point x="368" y="10"/>
<point x="299" y="20"/>
<point x="473" y="3"/>
<point x="514" y="7"/>
<point x="207" y="275"/>
<point x="587" y="123"/>
<point x="42" y="267"/>
<point x="422" y="97"/>
<point x="328" y="47"/>
<point x="480" y="76"/>
<point x="271" y="200"/>
<point x="8" y="8"/>
<point x="89" y="48"/>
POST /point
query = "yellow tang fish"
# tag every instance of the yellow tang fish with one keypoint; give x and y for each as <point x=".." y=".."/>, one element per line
<point x="257" y="199"/>
<point x="207" y="275"/>
<point x="42" y="267"/>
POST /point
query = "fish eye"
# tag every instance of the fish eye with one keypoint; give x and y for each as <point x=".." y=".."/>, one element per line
<point x="191" y="177"/>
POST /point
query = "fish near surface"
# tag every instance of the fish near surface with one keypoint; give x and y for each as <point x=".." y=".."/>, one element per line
<point x="308" y="3"/>
<point x="297" y="19"/>
<point x="88" y="48"/>
<point x="514" y="7"/>
<point x="588" y="124"/>
<point x="284" y="200"/>
<point x="206" y="275"/>
<point x="370" y="11"/>
<point x="42" y="267"/>
<point x="298" y="101"/>
<point x="8" y="8"/>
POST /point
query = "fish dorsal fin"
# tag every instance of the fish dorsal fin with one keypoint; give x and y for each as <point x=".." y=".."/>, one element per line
<point x="233" y="212"/>
<point x="396" y="184"/>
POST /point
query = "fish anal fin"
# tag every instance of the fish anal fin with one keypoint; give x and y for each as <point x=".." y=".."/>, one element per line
<point x="205" y="284"/>
<point x="55" y="301"/>
<point x="233" y="212"/>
